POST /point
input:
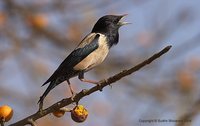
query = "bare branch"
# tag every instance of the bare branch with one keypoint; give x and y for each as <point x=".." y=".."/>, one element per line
<point x="31" y="122"/>
<point x="2" y="123"/>
<point x="187" y="117"/>
<point x="102" y="83"/>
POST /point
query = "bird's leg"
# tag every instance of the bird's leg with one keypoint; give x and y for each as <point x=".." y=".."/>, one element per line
<point x="40" y="106"/>
<point x="81" y="78"/>
<point x="71" y="90"/>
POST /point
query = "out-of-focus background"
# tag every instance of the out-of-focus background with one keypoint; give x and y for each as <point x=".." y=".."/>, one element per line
<point x="35" y="36"/>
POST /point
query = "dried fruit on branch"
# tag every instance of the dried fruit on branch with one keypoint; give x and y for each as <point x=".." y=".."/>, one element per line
<point x="79" y="113"/>
<point x="59" y="113"/>
<point x="6" y="113"/>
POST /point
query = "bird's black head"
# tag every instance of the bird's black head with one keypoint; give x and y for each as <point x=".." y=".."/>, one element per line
<point x="109" y="26"/>
<point x="108" y="22"/>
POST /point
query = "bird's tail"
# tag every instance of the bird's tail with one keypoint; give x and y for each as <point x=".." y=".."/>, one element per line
<point x="49" y="88"/>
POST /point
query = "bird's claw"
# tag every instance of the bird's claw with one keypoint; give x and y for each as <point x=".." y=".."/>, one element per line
<point x="110" y="86"/>
<point x="40" y="109"/>
<point x="100" y="87"/>
<point x="73" y="96"/>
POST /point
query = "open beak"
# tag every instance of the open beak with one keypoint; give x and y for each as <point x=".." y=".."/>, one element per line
<point x="120" y="23"/>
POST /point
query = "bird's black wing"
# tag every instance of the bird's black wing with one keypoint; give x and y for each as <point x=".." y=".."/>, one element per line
<point x="75" y="57"/>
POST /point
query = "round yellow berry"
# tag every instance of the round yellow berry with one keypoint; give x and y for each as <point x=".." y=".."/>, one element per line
<point x="79" y="113"/>
<point x="6" y="113"/>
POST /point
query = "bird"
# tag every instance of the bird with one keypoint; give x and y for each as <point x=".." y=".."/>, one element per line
<point x="89" y="53"/>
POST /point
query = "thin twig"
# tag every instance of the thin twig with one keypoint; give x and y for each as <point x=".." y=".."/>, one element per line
<point x="2" y="123"/>
<point x="31" y="122"/>
<point x="103" y="83"/>
<point x="187" y="117"/>
<point x="2" y="120"/>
